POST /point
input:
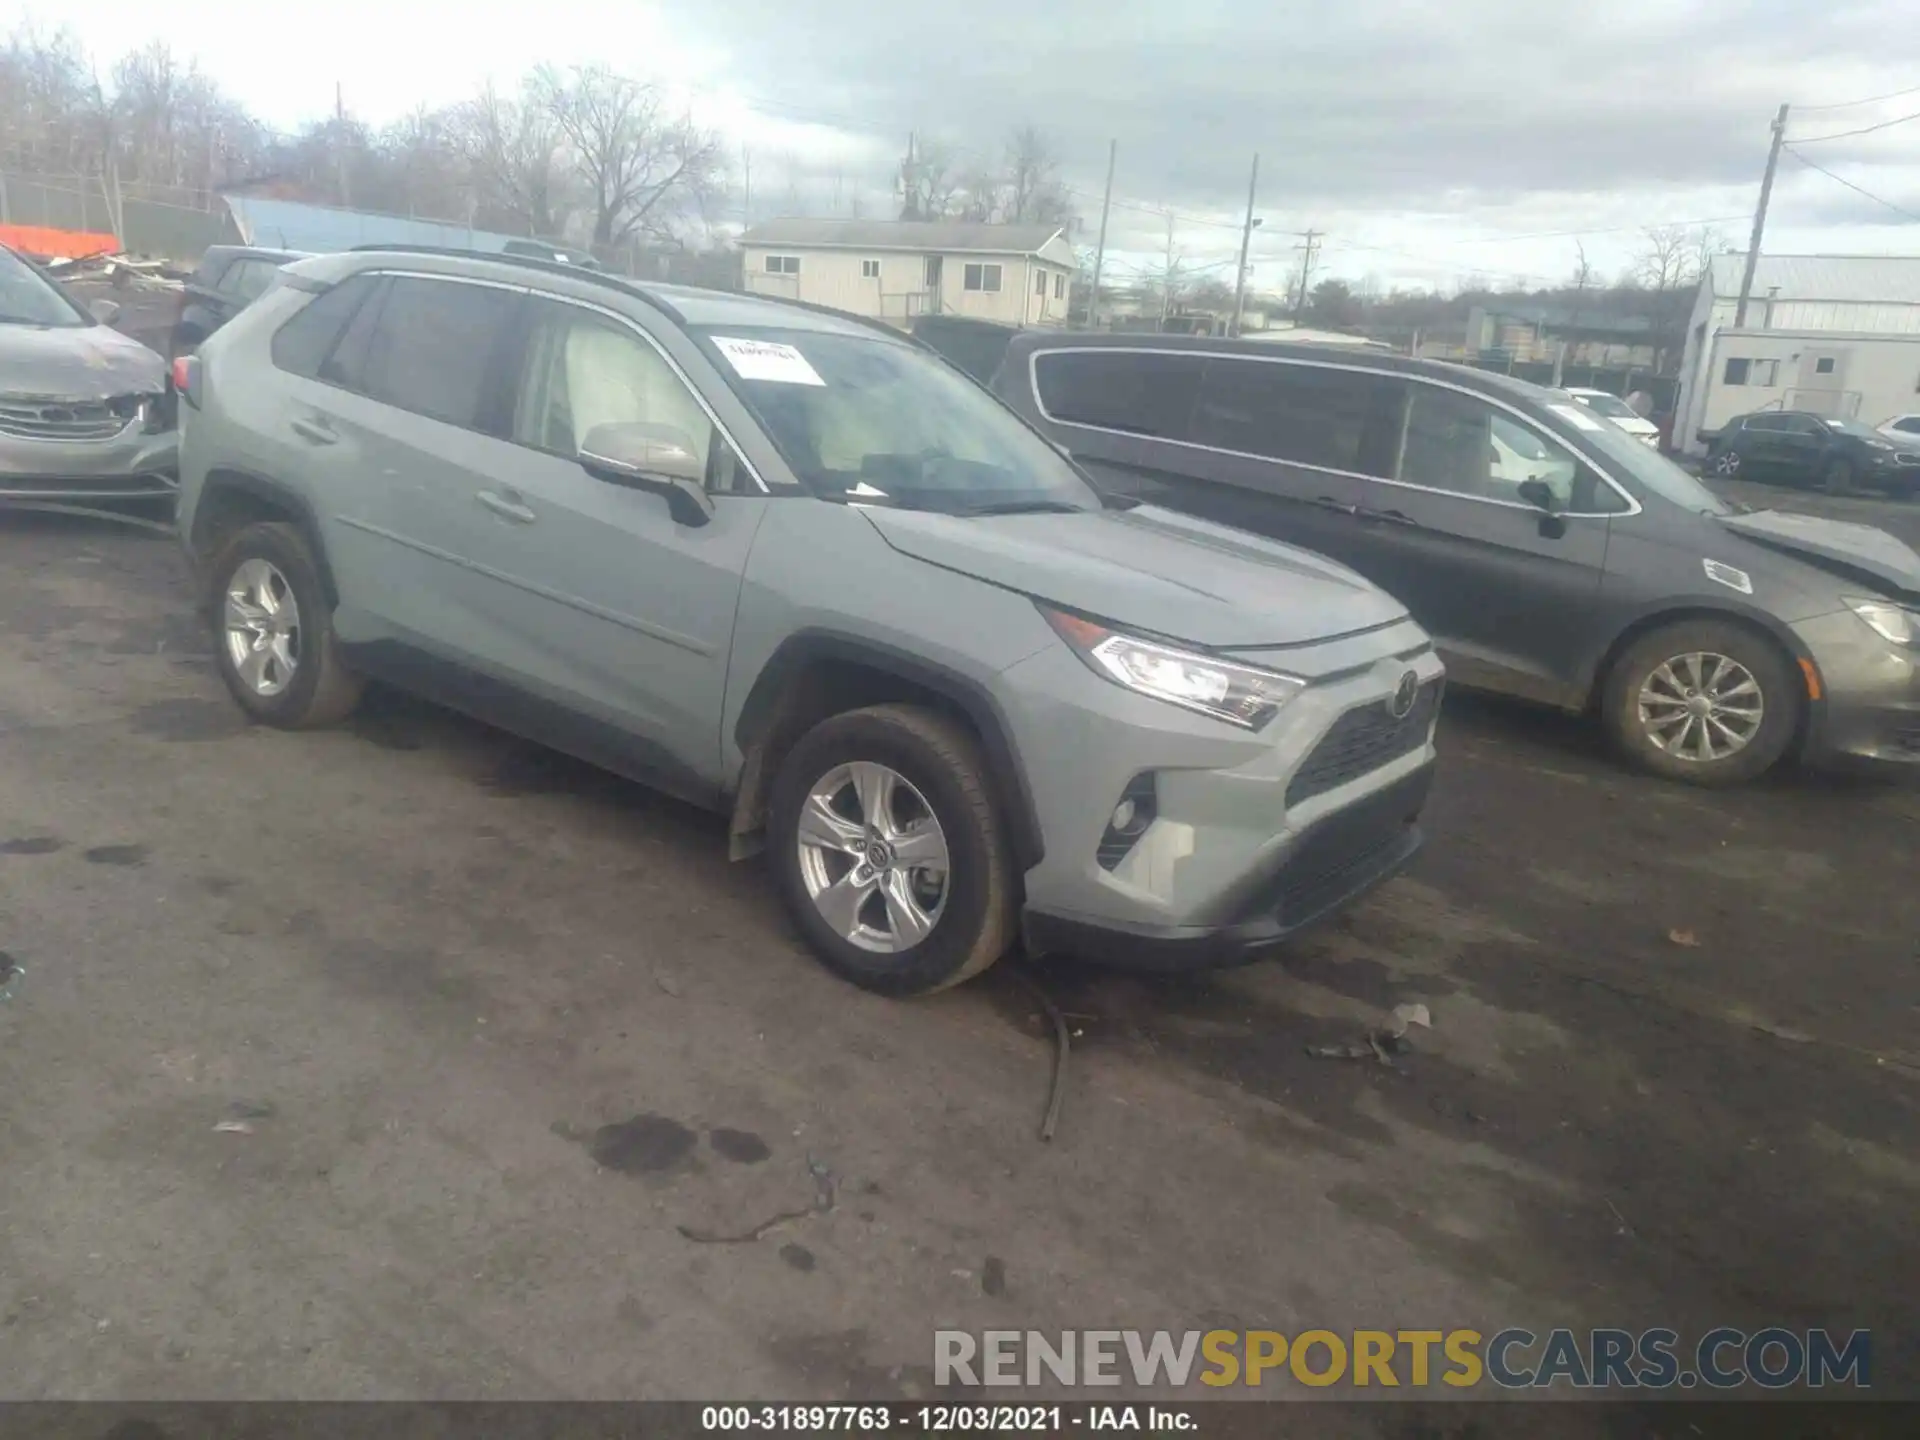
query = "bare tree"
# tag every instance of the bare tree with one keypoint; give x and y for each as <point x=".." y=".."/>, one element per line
<point x="929" y="184"/>
<point x="1583" y="272"/>
<point x="1663" y="264"/>
<point x="643" y="171"/>
<point x="1034" y="192"/>
<point x="514" y="149"/>
<point x="982" y="196"/>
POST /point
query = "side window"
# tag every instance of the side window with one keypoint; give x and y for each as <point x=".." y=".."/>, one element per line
<point x="249" y="280"/>
<point x="582" y="369"/>
<point x="1764" y="423"/>
<point x="301" y="346"/>
<point x="434" y="344"/>
<point x="1463" y="445"/>
<point x="1737" y="371"/>
<point x="1303" y="414"/>
<point x="982" y="277"/>
<point x="1908" y="424"/>
<point x="1138" y="392"/>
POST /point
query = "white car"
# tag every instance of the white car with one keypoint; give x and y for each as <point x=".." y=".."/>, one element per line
<point x="1620" y="413"/>
<point x="1905" y="428"/>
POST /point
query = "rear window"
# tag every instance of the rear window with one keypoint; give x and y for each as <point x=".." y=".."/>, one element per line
<point x="1301" y="414"/>
<point x="434" y="345"/>
<point x="1137" y="392"/>
<point x="301" y="346"/>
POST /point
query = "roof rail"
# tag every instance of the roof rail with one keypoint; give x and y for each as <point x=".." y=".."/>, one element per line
<point x="534" y="262"/>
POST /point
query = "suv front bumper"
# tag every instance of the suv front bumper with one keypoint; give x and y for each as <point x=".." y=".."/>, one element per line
<point x="1327" y="867"/>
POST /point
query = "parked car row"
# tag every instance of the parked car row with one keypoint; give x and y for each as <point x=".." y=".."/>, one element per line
<point x="1799" y="447"/>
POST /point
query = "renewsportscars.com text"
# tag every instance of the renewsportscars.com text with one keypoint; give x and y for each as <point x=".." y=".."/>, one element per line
<point x="1603" y="1359"/>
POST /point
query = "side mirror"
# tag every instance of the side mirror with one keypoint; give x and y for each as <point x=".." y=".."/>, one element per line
<point x="657" y="458"/>
<point x="103" y="310"/>
<point x="1537" y="493"/>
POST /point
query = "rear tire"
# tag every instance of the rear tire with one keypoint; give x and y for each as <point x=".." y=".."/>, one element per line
<point x="1681" y="696"/>
<point x="894" y="930"/>
<point x="1725" y="464"/>
<point x="273" y="631"/>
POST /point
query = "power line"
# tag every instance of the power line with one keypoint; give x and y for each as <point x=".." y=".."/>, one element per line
<point x="1878" y="200"/>
<point x="1863" y="130"/>
<point x="1870" y="100"/>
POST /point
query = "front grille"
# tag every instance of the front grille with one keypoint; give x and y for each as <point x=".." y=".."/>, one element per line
<point x="1347" y="851"/>
<point x="1363" y="740"/>
<point x="27" y="417"/>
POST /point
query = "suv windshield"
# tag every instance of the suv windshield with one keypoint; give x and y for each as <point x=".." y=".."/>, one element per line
<point x="1856" y="428"/>
<point x="28" y="298"/>
<point x="876" y="421"/>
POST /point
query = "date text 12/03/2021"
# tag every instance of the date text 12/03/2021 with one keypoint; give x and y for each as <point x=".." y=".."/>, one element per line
<point x="918" y="1419"/>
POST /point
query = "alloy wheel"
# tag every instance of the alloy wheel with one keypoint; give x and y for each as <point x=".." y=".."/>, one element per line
<point x="1701" y="707"/>
<point x="1727" y="462"/>
<point x="262" y="623"/>
<point x="873" y="857"/>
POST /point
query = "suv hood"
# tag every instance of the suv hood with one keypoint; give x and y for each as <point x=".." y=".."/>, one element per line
<point x="1153" y="570"/>
<point x="1841" y="544"/>
<point x="81" y="362"/>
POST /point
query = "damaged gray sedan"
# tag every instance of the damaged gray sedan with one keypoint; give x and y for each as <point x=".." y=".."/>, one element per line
<point x="86" y="414"/>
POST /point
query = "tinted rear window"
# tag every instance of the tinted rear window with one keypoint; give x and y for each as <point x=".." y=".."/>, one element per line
<point x="1139" y="392"/>
<point x="434" y="345"/>
<point x="302" y="345"/>
<point x="1302" y="414"/>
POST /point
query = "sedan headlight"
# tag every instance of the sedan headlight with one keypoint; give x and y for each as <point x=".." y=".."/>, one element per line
<point x="1238" y="694"/>
<point x="1895" y="623"/>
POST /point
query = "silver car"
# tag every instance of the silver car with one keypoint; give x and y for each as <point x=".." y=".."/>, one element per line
<point x="86" y="413"/>
<point x="792" y="566"/>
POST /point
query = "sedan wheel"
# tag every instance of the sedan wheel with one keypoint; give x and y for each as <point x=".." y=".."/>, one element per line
<point x="1701" y="707"/>
<point x="1726" y="463"/>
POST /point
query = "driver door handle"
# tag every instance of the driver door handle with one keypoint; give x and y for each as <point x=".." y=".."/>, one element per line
<point x="314" y="429"/>
<point x="507" y="506"/>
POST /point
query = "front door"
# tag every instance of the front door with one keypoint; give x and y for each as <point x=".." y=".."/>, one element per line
<point x="933" y="282"/>
<point x="591" y="593"/>
<point x="1506" y="589"/>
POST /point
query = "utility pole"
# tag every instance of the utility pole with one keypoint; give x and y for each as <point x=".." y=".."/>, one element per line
<point x="1246" y="241"/>
<point x="340" y="142"/>
<point x="1100" y="249"/>
<point x="1306" y="270"/>
<point x="746" y="198"/>
<point x="1760" y="218"/>
<point x="1166" y="279"/>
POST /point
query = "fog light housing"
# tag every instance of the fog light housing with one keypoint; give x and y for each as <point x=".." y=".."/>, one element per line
<point x="1136" y="810"/>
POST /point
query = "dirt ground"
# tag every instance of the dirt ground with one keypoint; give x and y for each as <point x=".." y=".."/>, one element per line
<point x="486" y="1028"/>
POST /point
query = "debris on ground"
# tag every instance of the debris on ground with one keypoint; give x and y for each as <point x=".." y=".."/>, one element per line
<point x="1383" y="1042"/>
<point x="1684" y="938"/>
<point x="240" y="1117"/>
<point x="823" y="1201"/>
<point x="11" y="974"/>
<point x="993" y="1276"/>
<point x="1062" y="1046"/>
<point x="668" y="985"/>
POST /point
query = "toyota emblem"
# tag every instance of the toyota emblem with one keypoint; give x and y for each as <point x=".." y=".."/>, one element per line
<point x="1404" y="694"/>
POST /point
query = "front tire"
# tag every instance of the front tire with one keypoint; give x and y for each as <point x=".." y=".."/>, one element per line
<point x="889" y="853"/>
<point x="1725" y="464"/>
<point x="273" y="631"/>
<point x="1708" y="702"/>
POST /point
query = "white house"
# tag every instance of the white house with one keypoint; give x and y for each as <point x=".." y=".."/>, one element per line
<point x="1834" y="334"/>
<point x="897" y="270"/>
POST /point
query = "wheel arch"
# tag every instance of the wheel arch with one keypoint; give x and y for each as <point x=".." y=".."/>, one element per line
<point x="815" y="674"/>
<point x="229" y="500"/>
<point x="1755" y="622"/>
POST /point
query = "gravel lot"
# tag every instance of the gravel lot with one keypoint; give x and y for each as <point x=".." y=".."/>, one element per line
<point x="486" y="1027"/>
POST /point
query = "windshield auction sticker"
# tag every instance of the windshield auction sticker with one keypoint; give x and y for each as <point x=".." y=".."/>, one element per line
<point x="765" y="360"/>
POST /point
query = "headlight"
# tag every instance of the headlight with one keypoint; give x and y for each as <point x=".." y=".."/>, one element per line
<point x="1895" y="623"/>
<point x="1238" y="694"/>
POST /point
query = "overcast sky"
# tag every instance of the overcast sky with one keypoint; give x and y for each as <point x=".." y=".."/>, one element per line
<point x="1429" y="142"/>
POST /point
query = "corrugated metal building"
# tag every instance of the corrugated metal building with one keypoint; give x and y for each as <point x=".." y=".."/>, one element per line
<point x="1835" y="334"/>
<point x="292" y="225"/>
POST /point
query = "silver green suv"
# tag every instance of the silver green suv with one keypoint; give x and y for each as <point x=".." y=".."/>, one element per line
<point x="792" y="566"/>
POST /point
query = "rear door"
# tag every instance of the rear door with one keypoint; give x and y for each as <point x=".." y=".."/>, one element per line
<point x="1253" y="444"/>
<point x="1507" y="591"/>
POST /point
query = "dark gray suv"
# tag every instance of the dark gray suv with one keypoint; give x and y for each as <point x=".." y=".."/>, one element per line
<point x="1550" y="554"/>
